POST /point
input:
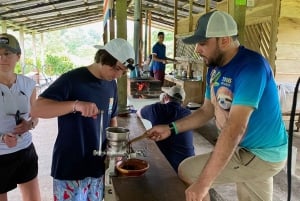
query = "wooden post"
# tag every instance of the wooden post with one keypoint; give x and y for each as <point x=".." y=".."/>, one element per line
<point x="21" y="41"/>
<point x="237" y="10"/>
<point x="274" y="33"/>
<point x="3" y="26"/>
<point x="175" y="27"/>
<point x="149" y="31"/>
<point x="146" y="36"/>
<point x="112" y="22"/>
<point x="191" y="16"/>
<point x="121" y="21"/>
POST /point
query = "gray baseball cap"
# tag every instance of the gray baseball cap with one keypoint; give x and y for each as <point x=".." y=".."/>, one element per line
<point x="213" y="24"/>
<point x="10" y="43"/>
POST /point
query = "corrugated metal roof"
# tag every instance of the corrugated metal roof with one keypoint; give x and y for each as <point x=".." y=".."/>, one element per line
<point x="49" y="15"/>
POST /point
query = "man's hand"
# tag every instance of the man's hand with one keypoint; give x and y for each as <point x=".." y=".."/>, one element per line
<point x="196" y="192"/>
<point x="159" y="132"/>
<point x="87" y="109"/>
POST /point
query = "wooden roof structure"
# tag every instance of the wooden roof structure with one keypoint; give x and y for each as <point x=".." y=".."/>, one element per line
<point x="49" y="15"/>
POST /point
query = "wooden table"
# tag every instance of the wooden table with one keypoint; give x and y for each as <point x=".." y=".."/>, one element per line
<point x="159" y="183"/>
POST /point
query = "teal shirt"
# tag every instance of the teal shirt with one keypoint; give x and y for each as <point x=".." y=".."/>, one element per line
<point x="248" y="80"/>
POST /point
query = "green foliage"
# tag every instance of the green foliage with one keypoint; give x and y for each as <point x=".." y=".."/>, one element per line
<point x="18" y="68"/>
<point x="57" y="65"/>
<point x="29" y="66"/>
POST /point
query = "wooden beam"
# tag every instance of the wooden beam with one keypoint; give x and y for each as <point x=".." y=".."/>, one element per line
<point x="67" y="8"/>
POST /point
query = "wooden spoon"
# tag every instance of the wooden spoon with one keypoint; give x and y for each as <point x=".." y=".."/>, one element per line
<point x="144" y="135"/>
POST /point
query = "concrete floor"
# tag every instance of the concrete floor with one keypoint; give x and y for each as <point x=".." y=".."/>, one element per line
<point x="45" y="133"/>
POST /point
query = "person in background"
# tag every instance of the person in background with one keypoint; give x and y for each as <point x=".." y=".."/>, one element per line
<point x="175" y="148"/>
<point x="148" y="66"/>
<point x="241" y="95"/>
<point x="76" y="99"/>
<point x="159" y="58"/>
<point x="18" y="157"/>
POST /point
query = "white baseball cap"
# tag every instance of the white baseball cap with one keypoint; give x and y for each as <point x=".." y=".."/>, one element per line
<point x="213" y="24"/>
<point x="121" y="50"/>
<point x="176" y="92"/>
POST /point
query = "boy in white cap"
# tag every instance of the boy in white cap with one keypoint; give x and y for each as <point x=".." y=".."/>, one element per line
<point x="241" y="95"/>
<point x="76" y="98"/>
<point x="18" y="158"/>
<point x="178" y="147"/>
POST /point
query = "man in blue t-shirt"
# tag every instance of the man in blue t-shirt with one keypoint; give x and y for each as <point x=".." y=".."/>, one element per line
<point x="76" y="98"/>
<point x="175" y="148"/>
<point x="159" y="58"/>
<point x="241" y="95"/>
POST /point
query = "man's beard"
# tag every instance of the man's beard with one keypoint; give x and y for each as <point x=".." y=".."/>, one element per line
<point x="217" y="60"/>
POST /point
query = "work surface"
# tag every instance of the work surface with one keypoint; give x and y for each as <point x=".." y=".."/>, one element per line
<point x="159" y="183"/>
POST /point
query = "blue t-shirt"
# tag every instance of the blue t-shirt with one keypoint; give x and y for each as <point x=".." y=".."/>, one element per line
<point x="176" y="147"/>
<point x="78" y="136"/>
<point x="160" y="51"/>
<point x="248" y="80"/>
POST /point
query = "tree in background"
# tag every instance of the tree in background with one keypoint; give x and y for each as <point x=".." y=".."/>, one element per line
<point x="74" y="47"/>
<point x="57" y="65"/>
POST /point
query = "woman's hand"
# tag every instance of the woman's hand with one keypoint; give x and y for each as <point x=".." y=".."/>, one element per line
<point x="23" y="127"/>
<point x="10" y="139"/>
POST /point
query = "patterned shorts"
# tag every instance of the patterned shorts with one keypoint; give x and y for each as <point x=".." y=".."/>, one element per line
<point x="88" y="189"/>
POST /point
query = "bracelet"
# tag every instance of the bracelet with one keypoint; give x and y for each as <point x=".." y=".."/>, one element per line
<point x="74" y="106"/>
<point x="173" y="128"/>
<point x="32" y="125"/>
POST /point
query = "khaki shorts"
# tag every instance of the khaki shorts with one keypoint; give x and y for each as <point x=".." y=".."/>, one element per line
<point x="253" y="176"/>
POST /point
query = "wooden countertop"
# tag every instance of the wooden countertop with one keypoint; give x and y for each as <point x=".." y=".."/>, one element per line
<point x="159" y="183"/>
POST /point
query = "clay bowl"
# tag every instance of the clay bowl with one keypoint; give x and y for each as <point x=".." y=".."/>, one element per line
<point x="132" y="167"/>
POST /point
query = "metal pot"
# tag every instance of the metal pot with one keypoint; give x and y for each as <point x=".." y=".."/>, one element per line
<point x="116" y="134"/>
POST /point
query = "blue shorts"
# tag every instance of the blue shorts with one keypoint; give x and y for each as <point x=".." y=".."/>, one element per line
<point x="85" y="189"/>
<point x="17" y="168"/>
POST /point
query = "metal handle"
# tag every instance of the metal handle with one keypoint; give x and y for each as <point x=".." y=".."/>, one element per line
<point x="99" y="152"/>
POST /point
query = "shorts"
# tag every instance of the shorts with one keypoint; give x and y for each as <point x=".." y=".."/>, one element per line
<point x="159" y="75"/>
<point x="88" y="188"/>
<point x="253" y="176"/>
<point x="17" y="168"/>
